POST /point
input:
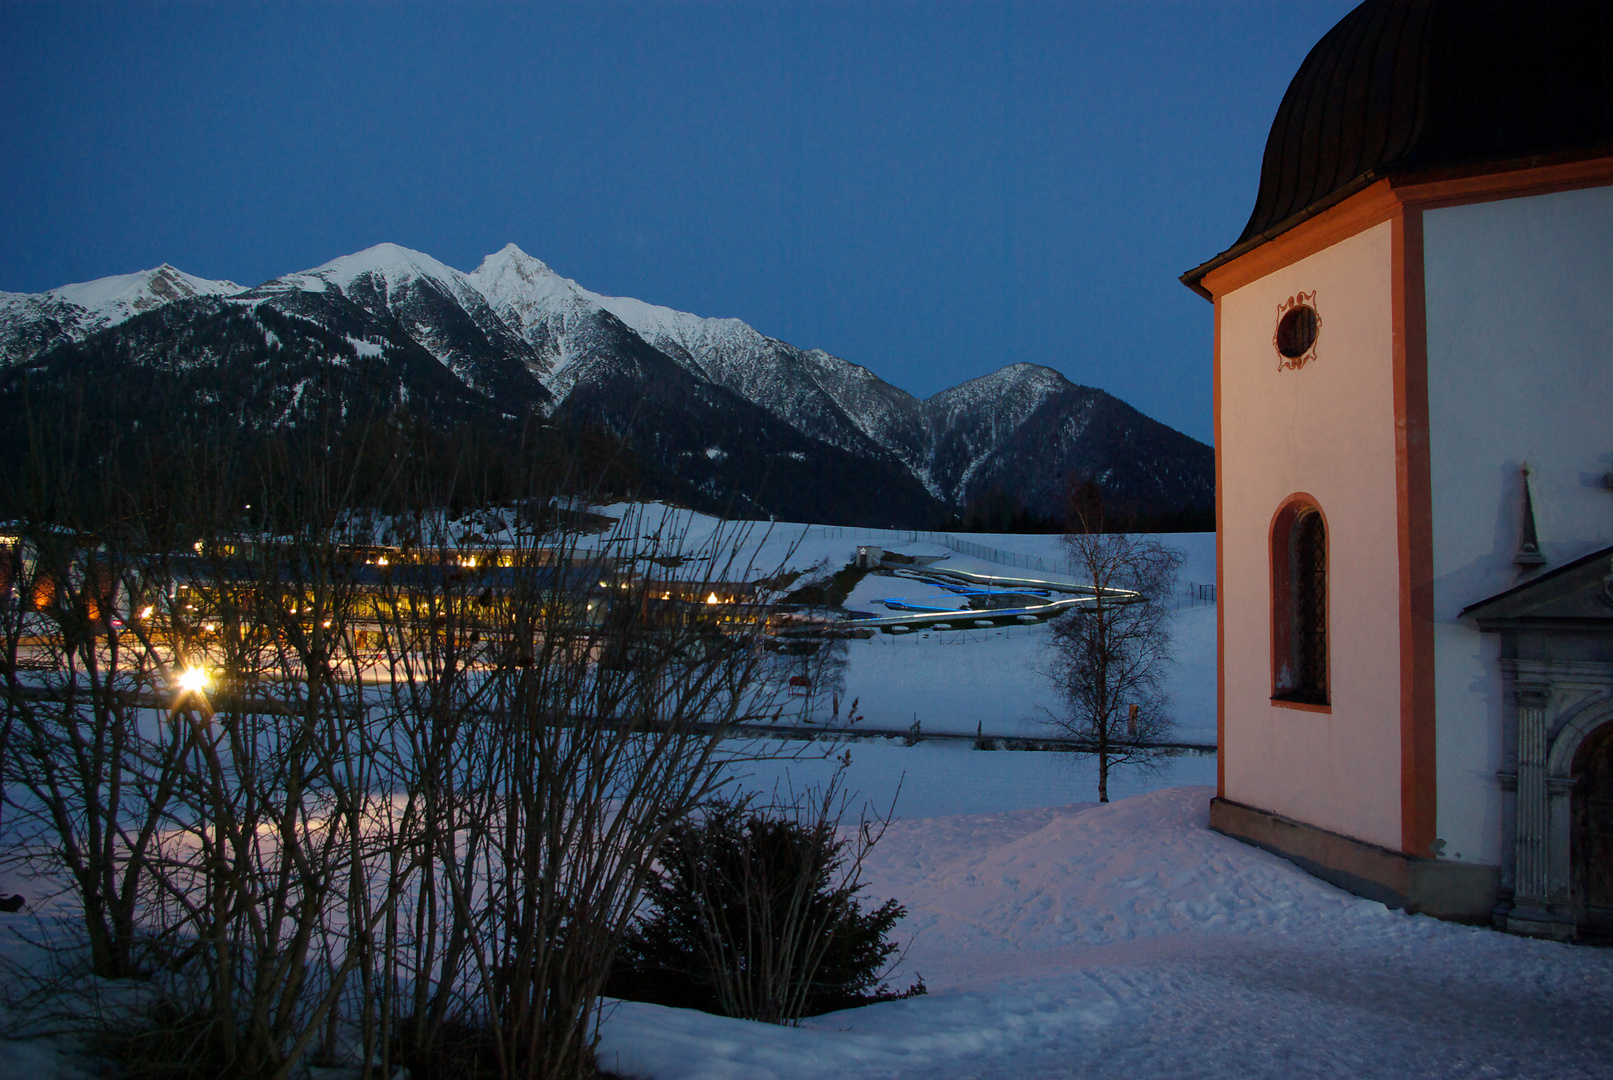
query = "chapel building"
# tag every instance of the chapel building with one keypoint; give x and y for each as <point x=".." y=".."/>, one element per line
<point x="1414" y="467"/>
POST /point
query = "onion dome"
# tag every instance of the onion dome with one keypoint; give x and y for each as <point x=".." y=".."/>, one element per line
<point x="1446" y="87"/>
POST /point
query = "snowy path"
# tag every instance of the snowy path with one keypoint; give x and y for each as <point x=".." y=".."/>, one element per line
<point x="1130" y="941"/>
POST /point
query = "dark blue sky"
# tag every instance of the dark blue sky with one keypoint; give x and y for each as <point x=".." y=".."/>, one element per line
<point x="930" y="190"/>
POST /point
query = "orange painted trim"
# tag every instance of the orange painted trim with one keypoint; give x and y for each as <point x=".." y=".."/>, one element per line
<point x="1385" y="199"/>
<point x="1429" y="194"/>
<point x="1281" y="590"/>
<point x="1220" y="575"/>
<point x="1280" y="703"/>
<point x="1419" y="776"/>
<point x="1361" y="211"/>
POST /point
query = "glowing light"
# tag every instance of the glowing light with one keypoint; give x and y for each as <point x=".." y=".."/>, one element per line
<point x="713" y="599"/>
<point x="145" y="612"/>
<point x="381" y="561"/>
<point x="194" y="680"/>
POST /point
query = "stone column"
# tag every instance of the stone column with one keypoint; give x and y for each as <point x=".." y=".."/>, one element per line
<point x="1531" y="910"/>
<point x="1534" y="824"/>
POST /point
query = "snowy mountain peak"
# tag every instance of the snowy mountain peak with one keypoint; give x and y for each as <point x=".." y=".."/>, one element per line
<point x="1023" y="379"/>
<point x="510" y="275"/>
<point x="110" y="300"/>
<point x="515" y="334"/>
<point x="511" y="258"/>
<point x="33" y="322"/>
<point x="387" y="265"/>
<point x="527" y="293"/>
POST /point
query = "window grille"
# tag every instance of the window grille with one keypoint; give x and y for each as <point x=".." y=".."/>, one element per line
<point x="1310" y="607"/>
<point x="1299" y="605"/>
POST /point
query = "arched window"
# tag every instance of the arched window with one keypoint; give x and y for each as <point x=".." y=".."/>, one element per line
<point x="1299" y="668"/>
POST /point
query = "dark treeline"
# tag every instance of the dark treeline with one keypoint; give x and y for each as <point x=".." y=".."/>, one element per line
<point x="999" y="511"/>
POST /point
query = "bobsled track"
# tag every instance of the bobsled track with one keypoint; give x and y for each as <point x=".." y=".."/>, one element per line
<point x="912" y="617"/>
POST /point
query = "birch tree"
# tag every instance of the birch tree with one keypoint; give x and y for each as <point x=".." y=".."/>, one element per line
<point x="1108" y="658"/>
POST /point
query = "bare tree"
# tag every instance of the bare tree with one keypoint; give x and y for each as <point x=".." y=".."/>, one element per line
<point x="406" y="811"/>
<point x="1108" y="657"/>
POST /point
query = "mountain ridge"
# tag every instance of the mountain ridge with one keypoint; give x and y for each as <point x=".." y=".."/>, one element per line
<point x="517" y="336"/>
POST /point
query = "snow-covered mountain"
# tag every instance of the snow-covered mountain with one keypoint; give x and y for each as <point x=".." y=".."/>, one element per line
<point x="710" y="405"/>
<point x="30" y="323"/>
<point x="436" y="305"/>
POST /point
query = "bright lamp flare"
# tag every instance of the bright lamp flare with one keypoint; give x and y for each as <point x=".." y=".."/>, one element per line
<point x="194" y="680"/>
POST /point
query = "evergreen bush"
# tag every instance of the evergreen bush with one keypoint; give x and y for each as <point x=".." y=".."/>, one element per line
<point x="755" y="914"/>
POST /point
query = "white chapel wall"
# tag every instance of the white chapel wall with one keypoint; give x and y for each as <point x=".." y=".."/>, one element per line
<point x="1326" y="429"/>
<point x="1520" y="368"/>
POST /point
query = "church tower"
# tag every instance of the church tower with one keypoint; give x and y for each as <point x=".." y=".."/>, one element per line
<point x="1414" y="417"/>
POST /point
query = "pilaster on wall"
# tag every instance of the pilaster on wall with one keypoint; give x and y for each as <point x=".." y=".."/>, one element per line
<point x="1418" y="765"/>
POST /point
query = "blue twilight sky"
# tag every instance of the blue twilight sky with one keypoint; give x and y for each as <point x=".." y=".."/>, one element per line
<point x="931" y="190"/>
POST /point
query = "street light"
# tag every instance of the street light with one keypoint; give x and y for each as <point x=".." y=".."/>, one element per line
<point x="194" y="680"/>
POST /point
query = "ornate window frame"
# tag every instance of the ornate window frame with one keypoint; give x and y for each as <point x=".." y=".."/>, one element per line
<point x="1292" y="360"/>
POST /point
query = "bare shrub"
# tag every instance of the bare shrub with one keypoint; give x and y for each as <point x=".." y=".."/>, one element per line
<point x="357" y="798"/>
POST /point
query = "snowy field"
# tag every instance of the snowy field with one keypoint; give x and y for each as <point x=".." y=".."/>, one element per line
<point x="952" y="681"/>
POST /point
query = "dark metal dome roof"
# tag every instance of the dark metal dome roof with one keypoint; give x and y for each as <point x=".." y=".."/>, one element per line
<point x="1403" y="86"/>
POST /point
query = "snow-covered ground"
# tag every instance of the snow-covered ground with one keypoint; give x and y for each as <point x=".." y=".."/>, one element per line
<point x="936" y="779"/>
<point x="1063" y="938"/>
<point x="1129" y="941"/>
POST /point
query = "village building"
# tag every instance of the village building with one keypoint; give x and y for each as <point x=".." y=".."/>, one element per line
<point x="1414" y="454"/>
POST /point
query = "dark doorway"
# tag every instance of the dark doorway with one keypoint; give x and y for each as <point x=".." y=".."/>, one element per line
<point x="1591" y="848"/>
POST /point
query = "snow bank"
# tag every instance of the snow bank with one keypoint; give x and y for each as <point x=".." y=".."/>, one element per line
<point x="1128" y="940"/>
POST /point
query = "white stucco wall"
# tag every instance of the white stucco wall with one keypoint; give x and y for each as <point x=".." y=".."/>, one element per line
<point x="1520" y="368"/>
<point x="1326" y="429"/>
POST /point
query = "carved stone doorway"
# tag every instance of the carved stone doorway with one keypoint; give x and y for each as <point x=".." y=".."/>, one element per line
<point x="1591" y="843"/>
<point x="1556" y="772"/>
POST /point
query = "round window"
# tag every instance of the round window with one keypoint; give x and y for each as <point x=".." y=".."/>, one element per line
<point x="1296" y="333"/>
<point x="1298" y="326"/>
